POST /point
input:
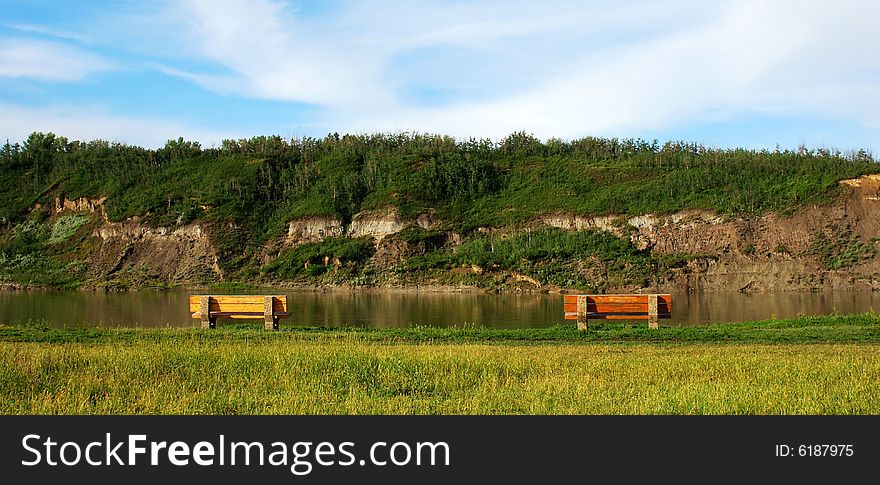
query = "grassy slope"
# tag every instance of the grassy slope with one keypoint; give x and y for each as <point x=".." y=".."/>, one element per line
<point x="815" y="365"/>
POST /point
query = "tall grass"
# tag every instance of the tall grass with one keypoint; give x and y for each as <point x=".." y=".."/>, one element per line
<point x="811" y="365"/>
<point x="351" y="377"/>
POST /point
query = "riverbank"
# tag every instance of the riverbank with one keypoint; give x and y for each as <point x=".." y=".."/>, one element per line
<point x="861" y="328"/>
<point x="817" y="365"/>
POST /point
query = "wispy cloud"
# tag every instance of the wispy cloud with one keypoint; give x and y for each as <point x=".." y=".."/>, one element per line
<point x="270" y="55"/>
<point x="46" y="60"/>
<point x="48" y="31"/>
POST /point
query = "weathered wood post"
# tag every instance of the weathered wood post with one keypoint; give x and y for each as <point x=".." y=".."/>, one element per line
<point x="652" y="312"/>
<point x="205" y="312"/>
<point x="269" y="320"/>
<point x="582" y="313"/>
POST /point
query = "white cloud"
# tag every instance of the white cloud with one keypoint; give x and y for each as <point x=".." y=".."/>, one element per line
<point x="273" y="56"/>
<point x="48" y="31"/>
<point x="758" y="57"/>
<point x="92" y="122"/>
<point x="46" y="61"/>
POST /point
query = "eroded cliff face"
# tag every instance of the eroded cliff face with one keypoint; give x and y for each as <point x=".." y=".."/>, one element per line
<point x="81" y="204"/>
<point x="770" y="252"/>
<point x="312" y="229"/>
<point x="827" y="246"/>
<point x="133" y="252"/>
<point x="376" y="224"/>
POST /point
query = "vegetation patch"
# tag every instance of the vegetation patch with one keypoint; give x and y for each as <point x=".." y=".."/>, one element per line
<point x="843" y="250"/>
<point x="66" y="226"/>
<point x="314" y="259"/>
<point x="590" y="259"/>
<point x="25" y="257"/>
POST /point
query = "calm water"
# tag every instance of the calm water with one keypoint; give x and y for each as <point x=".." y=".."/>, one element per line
<point x="401" y="309"/>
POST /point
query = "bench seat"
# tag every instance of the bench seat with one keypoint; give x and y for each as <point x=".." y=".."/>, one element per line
<point x="242" y="315"/>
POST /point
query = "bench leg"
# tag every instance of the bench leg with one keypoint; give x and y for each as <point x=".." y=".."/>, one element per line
<point x="270" y="321"/>
<point x="205" y="312"/>
<point x="652" y="312"/>
<point x="582" y="313"/>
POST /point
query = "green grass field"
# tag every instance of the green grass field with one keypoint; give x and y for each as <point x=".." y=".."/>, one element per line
<point x="812" y="365"/>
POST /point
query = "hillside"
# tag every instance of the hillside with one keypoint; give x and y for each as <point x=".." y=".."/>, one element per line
<point x="414" y="210"/>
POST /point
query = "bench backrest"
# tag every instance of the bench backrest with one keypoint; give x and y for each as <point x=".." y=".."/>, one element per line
<point x="617" y="307"/>
<point x="238" y="306"/>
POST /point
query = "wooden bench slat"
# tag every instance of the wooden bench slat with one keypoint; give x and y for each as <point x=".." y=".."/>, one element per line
<point x="234" y="298"/>
<point x="628" y="317"/>
<point x="619" y="298"/>
<point x="258" y="314"/>
<point x="241" y="316"/>
<point x="618" y="307"/>
<point x="606" y="316"/>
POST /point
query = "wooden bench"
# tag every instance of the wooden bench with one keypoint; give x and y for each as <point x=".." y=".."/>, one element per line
<point x="209" y="308"/>
<point x="650" y="307"/>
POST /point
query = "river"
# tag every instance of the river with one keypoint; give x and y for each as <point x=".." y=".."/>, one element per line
<point x="147" y="308"/>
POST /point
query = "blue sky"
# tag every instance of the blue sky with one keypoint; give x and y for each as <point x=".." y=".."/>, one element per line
<point x="723" y="73"/>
